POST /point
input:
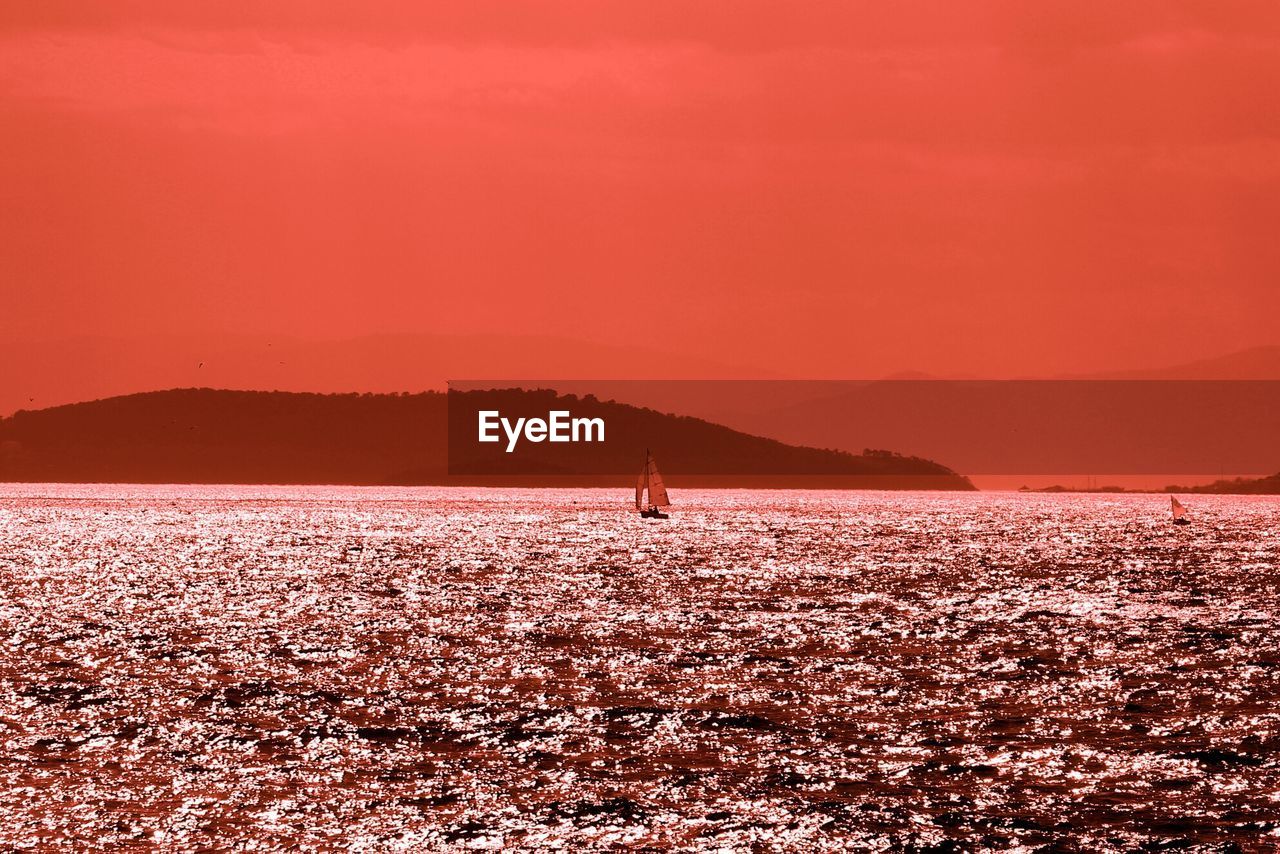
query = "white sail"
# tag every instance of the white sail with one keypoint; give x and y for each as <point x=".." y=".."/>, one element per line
<point x="657" y="489"/>
<point x="641" y="482"/>
<point x="1179" y="512"/>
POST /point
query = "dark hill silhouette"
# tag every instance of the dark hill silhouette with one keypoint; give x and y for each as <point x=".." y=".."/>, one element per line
<point x="219" y="436"/>
<point x="215" y="436"/>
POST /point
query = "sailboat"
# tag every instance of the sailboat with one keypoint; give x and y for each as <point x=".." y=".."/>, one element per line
<point x="1179" y="512"/>
<point x="651" y="481"/>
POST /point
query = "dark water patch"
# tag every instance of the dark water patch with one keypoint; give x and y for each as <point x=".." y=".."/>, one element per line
<point x="584" y="811"/>
<point x="1217" y="759"/>
<point x="718" y="720"/>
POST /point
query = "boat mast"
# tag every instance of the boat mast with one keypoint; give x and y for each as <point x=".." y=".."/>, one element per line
<point x="642" y="482"/>
<point x="648" y="492"/>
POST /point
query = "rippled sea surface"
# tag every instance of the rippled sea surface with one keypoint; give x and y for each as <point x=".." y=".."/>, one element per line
<point x="185" y="667"/>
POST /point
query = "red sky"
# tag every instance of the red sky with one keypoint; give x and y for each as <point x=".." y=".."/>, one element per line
<point x="818" y="189"/>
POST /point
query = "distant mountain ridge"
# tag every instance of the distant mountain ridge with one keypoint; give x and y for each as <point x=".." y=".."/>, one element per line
<point x="1269" y="485"/>
<point x="220" y="436"/>
<point x="1253" y="363"/>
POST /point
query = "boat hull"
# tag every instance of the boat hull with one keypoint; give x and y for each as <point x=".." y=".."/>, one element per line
<point x="653" y="513"/>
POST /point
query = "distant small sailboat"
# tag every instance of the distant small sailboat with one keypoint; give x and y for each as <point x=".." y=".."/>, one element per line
<point x="651" y="482"/>
<point x="1179" y="512"/>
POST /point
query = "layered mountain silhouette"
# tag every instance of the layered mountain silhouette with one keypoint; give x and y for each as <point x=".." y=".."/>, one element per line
<point x="217" y="436"/>
<point x="1254" y="363"/>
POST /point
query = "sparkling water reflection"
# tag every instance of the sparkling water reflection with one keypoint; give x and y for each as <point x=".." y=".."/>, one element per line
<point x="334" y="667"/>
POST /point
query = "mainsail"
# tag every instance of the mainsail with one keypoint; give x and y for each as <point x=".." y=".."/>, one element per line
<point x="651" y="480"/>
<point x="657" y="489"/>
<point x="1179" y="512"/>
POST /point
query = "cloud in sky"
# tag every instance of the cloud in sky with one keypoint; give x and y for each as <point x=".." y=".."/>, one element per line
<point x="851" y="186"/>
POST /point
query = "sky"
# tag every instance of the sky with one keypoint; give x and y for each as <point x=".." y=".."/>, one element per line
<point x="805" y="190"/>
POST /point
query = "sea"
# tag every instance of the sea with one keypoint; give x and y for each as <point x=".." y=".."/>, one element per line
<point x="337" y="668"/>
